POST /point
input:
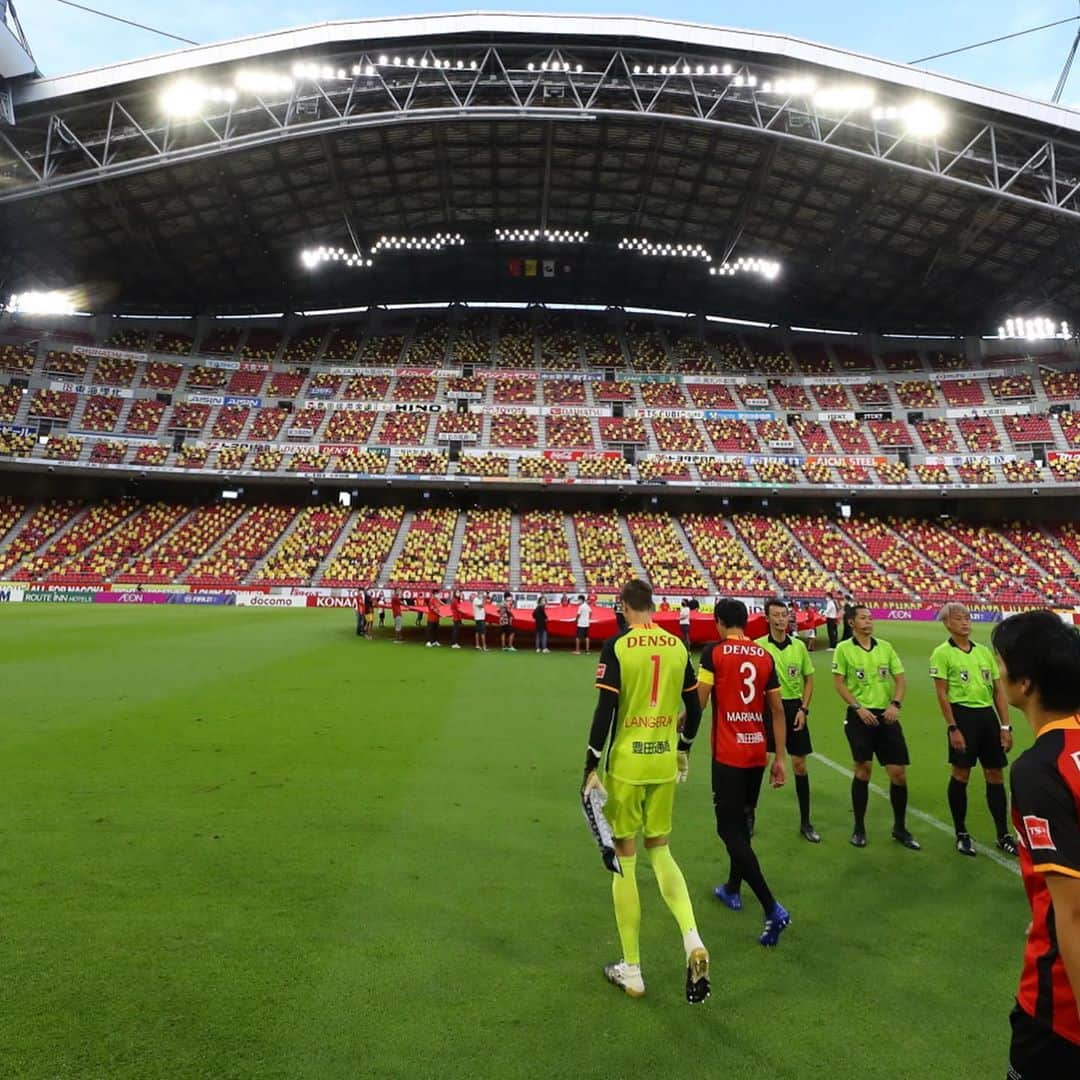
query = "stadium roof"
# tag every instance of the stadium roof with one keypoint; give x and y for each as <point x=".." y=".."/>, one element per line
<point x="893" y="199"/>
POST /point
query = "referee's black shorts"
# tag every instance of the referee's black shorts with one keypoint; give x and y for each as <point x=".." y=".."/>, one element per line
<point x="982" y="737"/>
<point x="1037" y="1053"/>
<point x="884" y="741"/>
<point x="735" y="791"/>
<point x="798" y="742"/>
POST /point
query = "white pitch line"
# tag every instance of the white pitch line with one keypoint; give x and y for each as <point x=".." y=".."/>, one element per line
<point x="1010" y="864"/>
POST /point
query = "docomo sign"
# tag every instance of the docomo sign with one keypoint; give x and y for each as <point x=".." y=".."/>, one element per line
<point x="261" y="600"/>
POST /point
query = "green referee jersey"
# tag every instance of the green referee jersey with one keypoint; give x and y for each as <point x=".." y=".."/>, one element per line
<point x="792" y="662"/>
<point x="868" y="673"/>
<point x="970" y="675"/>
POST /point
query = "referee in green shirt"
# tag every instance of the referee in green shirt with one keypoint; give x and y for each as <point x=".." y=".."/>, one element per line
<point x="976" y="713"/>
<point x="795" y="672"/>
<point x="869" y="678"/>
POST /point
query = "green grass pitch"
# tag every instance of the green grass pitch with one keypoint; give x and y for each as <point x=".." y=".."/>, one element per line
<point x="247" y="844"/>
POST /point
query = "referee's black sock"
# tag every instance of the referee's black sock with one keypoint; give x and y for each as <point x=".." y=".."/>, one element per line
<point x="958" y="804"/>
<point x="999" y="807"/>
<point x="802" y="790"/>
<point x="898" y="798"/>
<point x="860" y="796"/>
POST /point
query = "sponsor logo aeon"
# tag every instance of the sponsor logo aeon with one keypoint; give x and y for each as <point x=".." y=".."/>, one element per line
<point x="898" y="614"/>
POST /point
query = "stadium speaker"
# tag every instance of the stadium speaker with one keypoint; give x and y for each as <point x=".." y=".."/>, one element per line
<point x="609" y="374"/>
<point x="629" y="454"/>
<point x="178" y="441"/>
<point x="467" y="371"/>
<point x="455" y="451"/>
<point x="462" y="405"/>
<point x="286" y="405"/>
<point x="618" y="409"/>
<point x="914" y="417"/>
<point x="165" y="399"/>
<point x="905" y="457"/>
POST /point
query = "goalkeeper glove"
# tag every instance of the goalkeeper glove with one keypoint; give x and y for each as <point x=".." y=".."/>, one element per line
<point x="682" y="757"/>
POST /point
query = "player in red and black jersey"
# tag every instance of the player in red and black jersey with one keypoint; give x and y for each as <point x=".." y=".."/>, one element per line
<point x="1040" y="669"/>
<point x="739" y="677"/>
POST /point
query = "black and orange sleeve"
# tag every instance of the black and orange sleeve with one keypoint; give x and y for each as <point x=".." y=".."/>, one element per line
<point x="1046" y="806"/>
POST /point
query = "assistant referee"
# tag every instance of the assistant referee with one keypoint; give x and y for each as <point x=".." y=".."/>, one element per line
<point x="795" y="673"/>
<point x="869" y="677"/>
<point x="972" y="701"/>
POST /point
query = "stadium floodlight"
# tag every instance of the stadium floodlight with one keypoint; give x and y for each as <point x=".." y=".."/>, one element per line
<point x="263" y="82"/>
<point x="923" y="118"/>
<point x="314" y="257"/>
<point x="418" y="243"/>
<point x="844" y="98"/>
<point x="41" y="303"/>
<point x="769" y="269"/>
<point x="184" y="98"/>
<point x="1033" y="328"/>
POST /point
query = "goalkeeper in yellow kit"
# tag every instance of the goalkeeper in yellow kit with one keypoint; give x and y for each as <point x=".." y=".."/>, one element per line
<point x="645" y="680"/>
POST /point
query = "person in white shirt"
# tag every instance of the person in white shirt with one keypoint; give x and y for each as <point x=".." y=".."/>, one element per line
<point x="684" y="622"/>
<point x="831" y="613"/>
<point x="480" y="618"/>
<point x="584" y="614"/>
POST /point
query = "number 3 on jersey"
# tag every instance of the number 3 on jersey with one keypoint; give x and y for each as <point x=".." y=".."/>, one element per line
<point x="749" y="678"/>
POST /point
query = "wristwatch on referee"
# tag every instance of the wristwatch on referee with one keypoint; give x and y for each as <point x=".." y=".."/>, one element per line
<point x="1006" y="727"/>
<point x="804" y="710"/>
<point x="951" y="728"/>
<point x="896" y="704"/>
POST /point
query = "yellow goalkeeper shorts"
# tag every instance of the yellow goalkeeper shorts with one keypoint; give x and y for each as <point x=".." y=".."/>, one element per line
<point x="634" y="808"/>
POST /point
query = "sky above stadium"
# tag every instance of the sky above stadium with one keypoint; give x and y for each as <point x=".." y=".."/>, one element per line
<point x="64" y="39"/>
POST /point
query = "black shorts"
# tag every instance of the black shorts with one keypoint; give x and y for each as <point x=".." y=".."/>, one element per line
<point x="582" y="633"/>
<point x="1037" y="1053"/>
<point x="982" y="734"/>
<point x="798" y="742"/>
<point x="735" y="791"/>
<point x="885" y="741"/>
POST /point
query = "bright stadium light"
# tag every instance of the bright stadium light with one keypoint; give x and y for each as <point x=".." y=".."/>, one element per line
<point x="41" y="303"/>
<point x="184" y="98"/>
<point x="769" y="269"/>
<point x="920" y="118"/>
<point x="844" y="98"/>
<point x="1033" y="328"/>
<point x="263" y="82"/>
<point x="923" y="118"/>
<point x="436" y="242"/>
<point x="312" y="258"/>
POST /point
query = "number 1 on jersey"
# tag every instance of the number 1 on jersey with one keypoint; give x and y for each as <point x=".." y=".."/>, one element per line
<point x="654" y="695"/>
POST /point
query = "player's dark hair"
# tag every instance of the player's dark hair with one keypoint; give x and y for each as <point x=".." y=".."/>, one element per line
<point x="731" y="613"/>
<point x="1037" y="645"/>
<point x="851" y="611"/>
<point x="774" y="601"/>
<point x="637" y="595"/>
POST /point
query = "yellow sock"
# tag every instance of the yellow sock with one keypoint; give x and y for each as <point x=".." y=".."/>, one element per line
<point x="673" y="887"/>
<point x="628" y="908"/>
